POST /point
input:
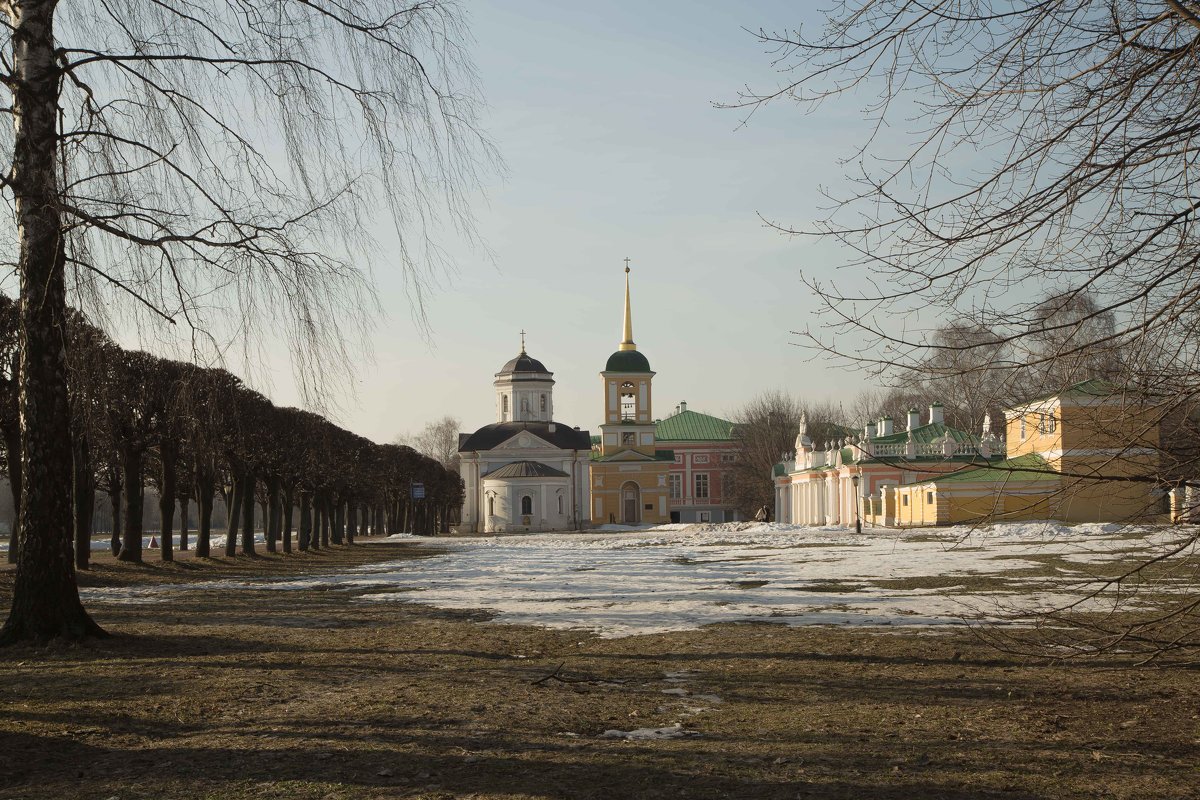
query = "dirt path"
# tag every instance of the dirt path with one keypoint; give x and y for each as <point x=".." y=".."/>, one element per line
<point x="310" y="694"/>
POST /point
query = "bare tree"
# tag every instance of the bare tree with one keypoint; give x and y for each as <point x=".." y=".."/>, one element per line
<point x="765" y="431"/>
<point x="438" y="440"/>
<point x="1038" y="182"/>
<point x="218" y="164"/>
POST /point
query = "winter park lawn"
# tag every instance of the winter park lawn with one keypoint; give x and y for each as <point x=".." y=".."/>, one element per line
<point x="741" y="660"/>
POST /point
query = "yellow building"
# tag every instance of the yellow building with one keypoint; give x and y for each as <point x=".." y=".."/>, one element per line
<point x="628" y="471"/>
<point x="1087" y="454"/>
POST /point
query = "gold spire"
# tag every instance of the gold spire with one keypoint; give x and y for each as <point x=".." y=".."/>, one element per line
<point x="627" y="342"/>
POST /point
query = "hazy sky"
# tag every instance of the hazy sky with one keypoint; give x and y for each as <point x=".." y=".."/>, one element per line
<point x="603" y="113"/>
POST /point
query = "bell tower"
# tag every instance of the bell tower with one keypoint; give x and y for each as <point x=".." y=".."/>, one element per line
<point x="629" y="473"/>
<point x="628" y="411"/>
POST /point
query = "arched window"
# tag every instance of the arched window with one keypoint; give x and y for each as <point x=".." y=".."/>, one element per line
<point x="491" y="505"/>
<point x="560" y="504"/>
<point x="504" y="403"/>
<point x="543" y="404"/>
<point x="526" y="505"/>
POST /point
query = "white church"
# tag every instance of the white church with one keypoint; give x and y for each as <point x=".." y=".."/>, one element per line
<point x="524" y="472"/>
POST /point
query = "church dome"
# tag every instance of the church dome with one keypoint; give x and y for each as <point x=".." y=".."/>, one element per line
<point x="523" y="363"/>
<point x="627" y="361"/>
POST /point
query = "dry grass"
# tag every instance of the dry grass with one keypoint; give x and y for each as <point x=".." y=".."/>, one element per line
<point x="309" y="694"/>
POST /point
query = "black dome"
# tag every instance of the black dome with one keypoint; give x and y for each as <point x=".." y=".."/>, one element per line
<point x="524" y="363"/>
<point x="627" y="361"/>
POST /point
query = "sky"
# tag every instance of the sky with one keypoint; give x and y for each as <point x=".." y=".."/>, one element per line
<point x="604" y="115"/>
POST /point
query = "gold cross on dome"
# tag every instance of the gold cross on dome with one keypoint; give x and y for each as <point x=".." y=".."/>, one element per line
<point x="522" y="340"/>
<point x="627" y="264"/>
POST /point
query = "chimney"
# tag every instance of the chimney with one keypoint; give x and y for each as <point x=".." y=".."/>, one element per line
<point x="682" y="406"/>
<point x="885" y="426"/>
<point x="935" y="413"/>
<point x="870" y="431"/>
<point x="914" y="419"/>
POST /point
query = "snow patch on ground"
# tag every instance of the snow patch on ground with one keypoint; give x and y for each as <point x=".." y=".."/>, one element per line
<point x="620" y="581"/>
<point x="676" y="731"/>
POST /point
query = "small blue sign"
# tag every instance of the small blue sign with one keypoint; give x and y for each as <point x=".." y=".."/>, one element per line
<point x="418" y="491"/>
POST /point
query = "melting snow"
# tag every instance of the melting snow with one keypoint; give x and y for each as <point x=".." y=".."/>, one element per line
<point x="627" y="581"/>
<point x="675" y="731"/>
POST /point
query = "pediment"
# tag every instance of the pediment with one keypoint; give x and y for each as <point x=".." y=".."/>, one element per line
<point x="629" y="455"/>
<point x="526" y="441"/>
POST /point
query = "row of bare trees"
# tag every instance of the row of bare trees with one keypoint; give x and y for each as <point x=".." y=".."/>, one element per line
<point x="196" y="433"/>
<point x="215" y="175"/>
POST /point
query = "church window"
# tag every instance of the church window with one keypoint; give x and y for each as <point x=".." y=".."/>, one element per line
<point x="701" y="486"/>
<point x="1022" y="427"/>
<point x="504" y="403"/>
<point x="526" y="505"/>
<point x="1053" y="423"/>
<point x="491" y="505"/>
<point x="1041" y="423"/>
<point x="629" y="439"/>
<point x="675" y="485"/>
<point x="560" y="504"/>
<point x="543" y="404"/>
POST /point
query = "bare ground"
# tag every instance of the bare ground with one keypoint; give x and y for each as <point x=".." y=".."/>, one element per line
<point x="309" y="694"/>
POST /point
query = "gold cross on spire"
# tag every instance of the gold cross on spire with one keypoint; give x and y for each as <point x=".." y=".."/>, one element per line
<point x="522" y="340"/>
<point x="627" y="263"/>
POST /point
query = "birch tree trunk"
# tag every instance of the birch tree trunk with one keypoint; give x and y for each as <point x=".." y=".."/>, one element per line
<point x="45" y="598"/>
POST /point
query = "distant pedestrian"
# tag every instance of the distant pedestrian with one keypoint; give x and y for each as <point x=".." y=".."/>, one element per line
<point x="763" y="515"/>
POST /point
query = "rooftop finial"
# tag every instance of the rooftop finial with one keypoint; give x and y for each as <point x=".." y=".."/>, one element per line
<point x="627" y="340"/>
<point x="522" y="340"/>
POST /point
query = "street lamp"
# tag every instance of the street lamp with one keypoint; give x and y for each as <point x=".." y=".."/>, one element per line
<point x="857" y="518"/>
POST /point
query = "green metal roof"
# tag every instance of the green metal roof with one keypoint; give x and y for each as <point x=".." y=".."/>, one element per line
<point x="627" y="361"/>
<point x="692" y="426"/>
<point x="928" y="433"/>
<point x="1029" y="467"/>
<point x="1090" y="388"/>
